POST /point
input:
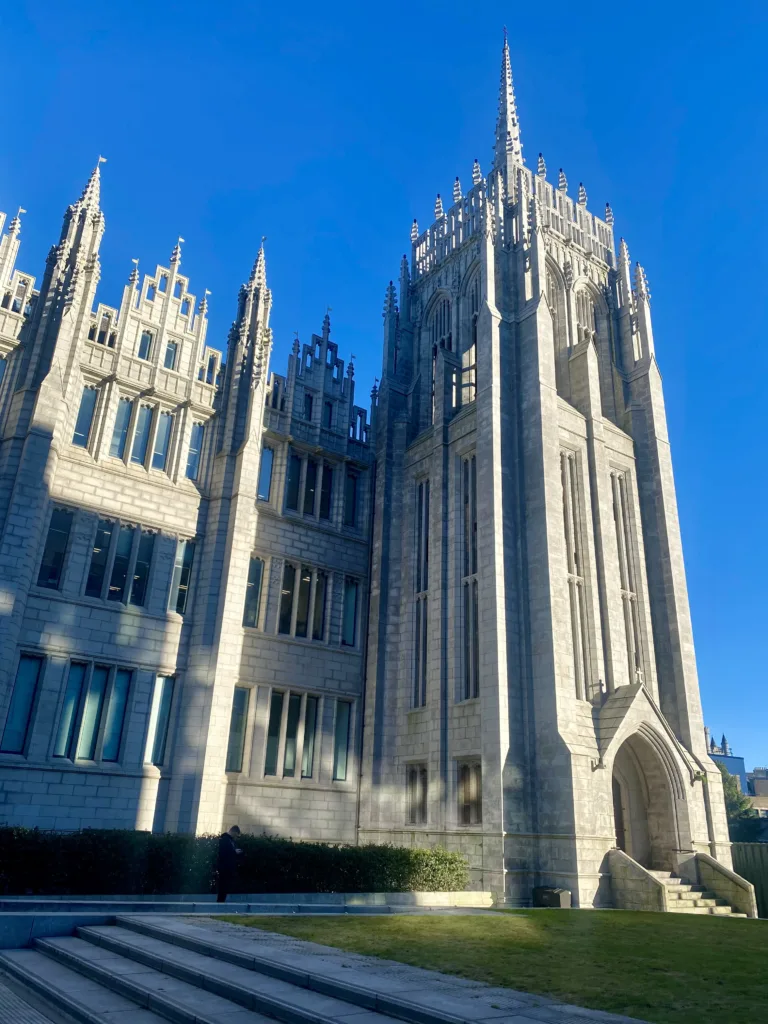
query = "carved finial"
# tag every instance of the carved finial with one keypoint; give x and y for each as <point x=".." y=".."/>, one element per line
<point x="457" y="193"/>
<point x="327" y="324"/>
<point x="351" y="366"/>
<point x="414" y="230"/>
<point x="541" y="168"/>
<point x="477" y="174"/>
<point x="14" y="228"/>
<point x="296" y="344"/>
<point x="91" y="196"/>
<point x="404" y="269"/>
<point x="134" y="277"/>
<point x="642" y="290"/>
<point x="176" y="254"/>
<point x="623" y="252"/>
<point x="582" y="195"/>
<point x="438" y="207"/>
<point x="204" y="303"/>
<point x="562" y="181"/>
<point x="608" y="214"/>
<point x="390" y="300"/>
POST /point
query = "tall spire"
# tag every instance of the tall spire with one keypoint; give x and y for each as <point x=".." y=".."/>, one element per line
<point x="176" y="254"/>
<point x="259" y="272"/>
<point x="507" y="124"/>
<point x="91" y="197"/>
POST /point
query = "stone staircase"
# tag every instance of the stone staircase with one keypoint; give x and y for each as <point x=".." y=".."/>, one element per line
<point x="692" y="899"/>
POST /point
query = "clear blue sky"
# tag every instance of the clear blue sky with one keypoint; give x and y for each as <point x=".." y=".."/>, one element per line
<point x="328" y="127"/>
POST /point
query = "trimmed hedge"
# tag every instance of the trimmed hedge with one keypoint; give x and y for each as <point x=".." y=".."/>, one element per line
<point x="103" y="862"/>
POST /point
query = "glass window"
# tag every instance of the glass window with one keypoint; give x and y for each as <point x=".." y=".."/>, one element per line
<point x="55" y="549"/>
<point x="310" y="726"/>
<point x="273" y="733"/>
<point x="22" y="705"/>
<point x="236" y="747"/>
<point x="3" y="368"/>
<point x="162" y="441"/>
<point x="92" y="711"/>
<point x="122" y="423"/>
<point x="328" y="415"/>
<point x="417" y="794"/>
<point x="265" y="474"/>
<point x="253" y="592"/>
<point x="182" y="571"/>
<point x="85" y="417"/>
<point x="421" y="649"/>
<point x="308" y="403"/>
<point x="341" y="740"/>
<point x="99" y="557"/>
<point x="196" y="438"/>
<point x="286" y="598"/>
<point x="350" y="500"/>
<point x="318" y="614"/>
<point x="73" y="695"/>
<point x="310" y="486"/>
<point x="141" y="569"/>
<point x="141" y="437"/>
<point x="326" y="492"/>
<point x="113" y="728"/>
<point x="470" y="793"/>
<point x="171" y="351"/>
<point x="291" y="735"/>
<point x="293" y="481"/>
<point x="145" y="342"/>
<point x="120" y="565"/>
<point x="349" y="621"/>
<point x="302" y="609"/>
<point x="163" y="701"/>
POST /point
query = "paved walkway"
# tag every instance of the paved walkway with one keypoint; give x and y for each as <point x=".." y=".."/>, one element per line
<point x="14" y="1010"/>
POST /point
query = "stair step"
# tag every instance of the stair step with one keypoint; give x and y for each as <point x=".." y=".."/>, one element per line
<point x="723" y="911"/>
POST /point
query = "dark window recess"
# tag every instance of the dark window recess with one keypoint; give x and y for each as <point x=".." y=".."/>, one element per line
<point x="182" y="572"/>
<point x="119" y="577"/>
<point x="171" y="352"/>
<point x="122" y="423"/>
<point x="310" y="726"/>
<point x="141" y="569"/>
<point x="99" y="557"/>
<point x="141" y="437"/>
<point x="302" y="607"/>
<point x="350" y="500"/>
<point x="253" y="592"/>
<point x="165" y="685"/>
<point x="286" y="599"/>
<point x="328" y="415"/>
<point x="349" y="617"/>
<point x="196" y="438"/>
<point x="55" y="549"/>
<point x="19" y="718"/>
<point x="326" y="492"/>
<point x="273" y="733"/>
<point x="308" y="404"/>
<point x="237" y="724"/>
<point x="85" y="417"/>
<point x="291" y="735"/>
<point x="310" y="487"/>
<point x="265" y="474"/>
<point x="341" y="740"/>
<point x="145" y="342"/>
<point x="292" y="483"/>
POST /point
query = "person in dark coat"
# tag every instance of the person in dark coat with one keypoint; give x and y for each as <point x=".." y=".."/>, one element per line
<point x="229" y="855"/>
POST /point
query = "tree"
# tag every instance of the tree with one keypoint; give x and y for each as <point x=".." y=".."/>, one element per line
<point x="744" y="823"/>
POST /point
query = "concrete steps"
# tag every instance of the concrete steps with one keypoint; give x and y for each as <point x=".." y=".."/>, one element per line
<point x="683" y="898"/>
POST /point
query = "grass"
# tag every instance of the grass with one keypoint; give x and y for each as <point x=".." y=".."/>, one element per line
<point x="664" y="968"/>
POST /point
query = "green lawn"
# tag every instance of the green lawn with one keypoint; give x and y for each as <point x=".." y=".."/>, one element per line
<point x="665" y="968"/>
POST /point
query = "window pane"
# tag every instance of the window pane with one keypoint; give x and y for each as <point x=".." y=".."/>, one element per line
<point x="291" y="734"/>
<point x="55" y="549"/>
<point x="94" y="705"/>
<point x="318" y="617"/>
<point x="326" y="492"/>
<point x="292" y="486"/>
<point x="478" y="794"/>
<point x="350" y="500"/>
<point x="162" y="441"/>
<point x="195" y="449"/>
<point x="113" y="729"/>
<point x="310" y="486"/>
<point x="253" y="593"/>
<point x="265" y="474"/>
<point x="3" y="368"/>
<point x="424" y="639"/>
<point x="141" y="570"/>
<point x="286" y="599"/>
<point x="341" y="740"/>
<point x="302" y="610"/>
<point x="349" y="622"/>
<point x="85" y="417"/>
<point x="165" y="699"/>
<point x="182" y="572"/>
<point x="273" y="733"/>
<point x="307" y="406"/>
<point x="70" y="710"/>
<point x="417" y="659"/>
<point x="22" y="703"/>
<point x="419" y="534"/>
<point x="465" y="593"/>
<point x="310" y="725"/>
<point x="425" y="566"/>
<point x="328" y="415"/>
<point x="122" y="423"/>
<point x="119" y="576"/>
<point x="141" y="437"/>
<point x="467" y="511"/>
<point x="237" y="725"/>
<point x="475" y="642"/>
<point x="145" y="343"/>
<point x="473" y="484"/>
<point x="95" y="582"/>
<point x="171" y="350"/>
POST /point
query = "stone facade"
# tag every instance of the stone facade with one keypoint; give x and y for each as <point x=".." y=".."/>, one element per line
<point x="229" y="597"/>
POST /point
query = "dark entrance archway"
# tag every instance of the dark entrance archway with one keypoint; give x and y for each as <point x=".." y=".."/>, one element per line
<point x="643" y="804"/>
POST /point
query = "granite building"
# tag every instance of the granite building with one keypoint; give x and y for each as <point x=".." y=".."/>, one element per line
<point x="230" y="595"/>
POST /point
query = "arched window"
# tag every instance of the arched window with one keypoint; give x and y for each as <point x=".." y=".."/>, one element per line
<point x="439" y="337"/>
<point x="586" y="325"/>
<point x="469" y="348"/>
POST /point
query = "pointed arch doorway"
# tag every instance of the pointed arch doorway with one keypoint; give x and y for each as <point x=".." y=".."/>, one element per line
<point x="644" y="787"/>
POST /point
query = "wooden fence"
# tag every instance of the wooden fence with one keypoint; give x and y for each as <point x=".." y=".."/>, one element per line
<point x="750" y="860"/>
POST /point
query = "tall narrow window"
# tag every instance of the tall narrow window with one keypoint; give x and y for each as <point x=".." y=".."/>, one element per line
<point x="145" y="342"/>
<point x="286" y="598"/>
<point x="253" y="592"/>
<point x="196" y="438"/>
<point x="92" y="712"/>
<point x="350" y="499"/>
<point x="22" y="705"/>
<point x="469" y="582"/>
<point x="470" y="793"/>
<point x="291" y="735"/>
<point x="310" y="487"/>
<point x="310" y="727"/>
<point x="302" y="606"/>
<point x="141" y="436"/>
<point x="115" y="718"/>
<point x="417" y="794"/>
<point x="120" y="564"/>
<point x="162" y="441"/>
<point x="469" y="353"/>
<point x="326" y="492"/>
<point x="318" y="614"/>
<point x="273" y="733"/>
<point x="163" y="701"/>
<point x="85" y="417"/>
<point x="341" y="740"/>
<point x="265" y="474"/>
<point x="575" y="570"/>
<point x="293" y="481"/>
<point x="70" y="711"/>
<point x="621" y="518"/>
<point x="94" y="585"/>
<point x="122" y="423"/>
<point x="308" y="403"/>
<point x="349" y="618"/>
<point x="141" y="569"/>
<point x="182" y="573"/>
<point x="328" y="415"/>
<point x="422" y="596"/>
<point x="171" y="352"/>
<point x="237" y="723"/>
<point x="3" y="368"/>
<point x="55" y="549"/>
<point x="585" y="316"/>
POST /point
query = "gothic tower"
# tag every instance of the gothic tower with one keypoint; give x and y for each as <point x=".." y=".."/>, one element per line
<point x="531" y="695"/>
